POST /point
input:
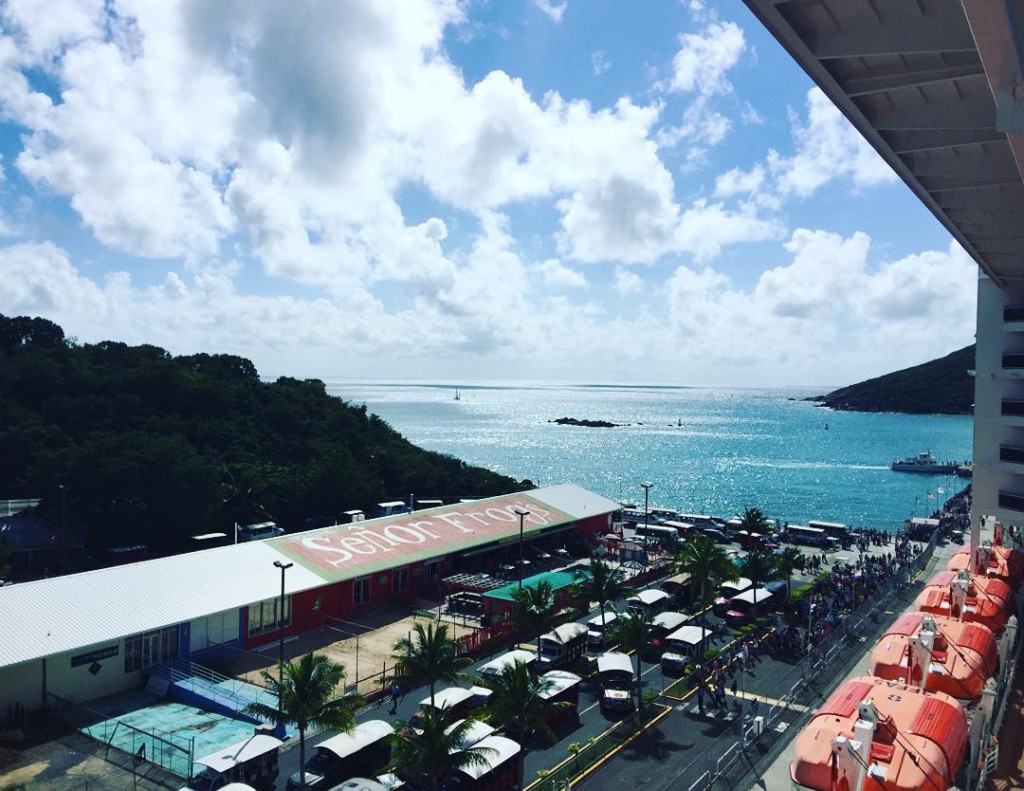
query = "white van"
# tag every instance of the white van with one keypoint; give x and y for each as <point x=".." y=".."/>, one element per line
<point x="257" y="532"/>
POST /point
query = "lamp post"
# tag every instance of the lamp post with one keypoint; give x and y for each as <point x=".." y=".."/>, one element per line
<point x="522" y="516"/>
<point x="647" y="514"/>
<point x="280" y="626"/>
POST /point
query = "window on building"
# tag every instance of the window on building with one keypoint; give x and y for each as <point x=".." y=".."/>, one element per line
<point x="432" y="571"/>
<point x="150" y="648"/>
<point x="399" y="579"/>
<point x="263" y="615"/>
<point x="361" y="590"/>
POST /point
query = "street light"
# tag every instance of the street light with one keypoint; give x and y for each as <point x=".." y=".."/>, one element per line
<point x="647" y="514"/>
<point x="522" y="515"/>
<point x="280" y="625"/>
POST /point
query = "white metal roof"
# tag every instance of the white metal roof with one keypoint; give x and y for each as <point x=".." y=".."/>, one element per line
<point x="753" y="595"/>
<point x="688" y="634"/>
<point x="600" y="621"/>
<point x="614" y="661"/>
<point x="365" y="733"/>
<point x="649" y="596"/>
<point x="566" y="632"/>
<point x="139" y="597"/>
<point x="229" y="757"/>
<point x="449" y="697"/>
<point x="560" y="680"/>
<point x="497" y="666"/>
<point x="61" y="614"/>
<point x="476" y="731"/>
<point x="496" y="750"/>
<point x="669" y="620"/>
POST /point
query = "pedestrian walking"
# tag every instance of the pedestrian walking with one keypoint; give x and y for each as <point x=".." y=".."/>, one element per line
<point x="720" y="697"/>
<point x="396" y="693"/>
<point x="700" y="698"/>
<point x="734" y="687"/>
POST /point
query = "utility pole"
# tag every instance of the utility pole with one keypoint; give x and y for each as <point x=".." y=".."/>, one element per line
<point x="522" y="568"/>
<point x="281" y="623"/>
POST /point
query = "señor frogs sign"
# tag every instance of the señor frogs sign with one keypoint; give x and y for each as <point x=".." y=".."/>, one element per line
<point x="346" y="551"/>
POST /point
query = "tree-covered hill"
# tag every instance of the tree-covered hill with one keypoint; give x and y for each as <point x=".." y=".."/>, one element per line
<point x="939" y="387"/>
<point x="138" y="447"/>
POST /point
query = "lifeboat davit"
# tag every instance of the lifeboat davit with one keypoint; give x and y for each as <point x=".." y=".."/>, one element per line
<point x="986" y="600"/>
<point x="902" y="737"/>
<point x="955" y="657"/>
<point x="1003" y="563"/>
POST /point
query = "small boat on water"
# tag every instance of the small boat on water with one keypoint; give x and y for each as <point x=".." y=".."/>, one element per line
<point x="924" y="462"/>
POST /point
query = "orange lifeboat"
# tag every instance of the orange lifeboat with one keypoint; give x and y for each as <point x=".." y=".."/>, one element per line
<point x="985" y="601"/>
<point x="1003" y="563"/>
<point x="955" y="657"/>
<point x="901" y="737"/>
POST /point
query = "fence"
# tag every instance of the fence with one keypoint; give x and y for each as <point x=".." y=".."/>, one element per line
<point x="137" y="747"/>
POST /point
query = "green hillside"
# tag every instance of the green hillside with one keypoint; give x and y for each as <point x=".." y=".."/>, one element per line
<point x="136" y="446"/>
<point x="939" y="387"/>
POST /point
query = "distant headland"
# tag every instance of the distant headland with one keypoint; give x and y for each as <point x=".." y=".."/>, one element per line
<point x="571" y="421"/>
<point x="940" y="387"/>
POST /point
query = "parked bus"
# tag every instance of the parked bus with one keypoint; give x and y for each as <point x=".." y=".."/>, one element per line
<point x="727" y="591"/>
<point x="497" y="772"/>
<point x="679" y="588"/>
<point x="364" y="751"/>
<point x="662" y="625"/>
<point x="836" y="530"/>
<point x="697" y="520"/>
<point x="597" y="627"/>
<point x="749" y="541"/>
<point x="497" y="666"/>
<point x="563" y="645"/>
<point x="252" y="761"/>
<point x="808" y="536"/>
<point x="667" y="536"/>
<point x="564" y="688"/>
<point x="741" y="606"/>
<point x="615" y="671"/>
<point x="649" y="601"/>
<point x="684" y="529"/>
<point x="685" y="644"/>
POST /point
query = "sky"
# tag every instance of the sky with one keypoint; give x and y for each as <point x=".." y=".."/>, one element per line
<point x="458" y="191"/>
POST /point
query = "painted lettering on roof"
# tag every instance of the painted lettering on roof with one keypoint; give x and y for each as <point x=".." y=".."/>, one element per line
<point x="346" y="551"/>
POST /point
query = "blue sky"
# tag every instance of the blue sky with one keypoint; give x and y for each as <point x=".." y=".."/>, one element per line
<point x="538" y="190"/>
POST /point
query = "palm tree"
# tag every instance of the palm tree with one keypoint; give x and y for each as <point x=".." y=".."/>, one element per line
<point x="708" y="566"/>
<point x="604" y="584"/>
<point x="760" y="566"/>
<point x="789" y="560"/>
<point x="517" y="702"/>
<point x="434" y="751"/>
<point x="632" y="630"/>
<point x="429" y="655"/>
<point x="754" y="521"/>
<point x="305" y="695"/>
<point x="535" y="604"/>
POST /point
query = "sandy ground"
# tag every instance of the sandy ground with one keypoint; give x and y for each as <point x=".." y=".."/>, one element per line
<point x="365" y="648"/>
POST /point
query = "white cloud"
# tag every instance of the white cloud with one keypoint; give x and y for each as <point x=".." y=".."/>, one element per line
<point x="739" y="182"/>
<point x="704" y="59"/>
<point x="827" y="148"/>
<point x="627" y="282"/>
<point x="599" y="61"/>
<point x="553" y="9"/>
<point x="555" y="273"/>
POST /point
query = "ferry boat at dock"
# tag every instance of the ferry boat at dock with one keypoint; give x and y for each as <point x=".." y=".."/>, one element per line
<point x="926" y="463"/>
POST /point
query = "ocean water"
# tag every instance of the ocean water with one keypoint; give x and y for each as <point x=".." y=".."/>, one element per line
<point x="705" y="450"/>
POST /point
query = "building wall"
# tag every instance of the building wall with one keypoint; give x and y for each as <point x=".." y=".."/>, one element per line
<point x="77" y="683"/>
<point x="994" y="385"/>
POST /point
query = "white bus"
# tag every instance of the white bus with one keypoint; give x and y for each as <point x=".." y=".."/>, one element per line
<point x="697" y="520"/>
<point x="667" y="536"/>
<point x="808" y="536"/>
<point x="836" y="530"/>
